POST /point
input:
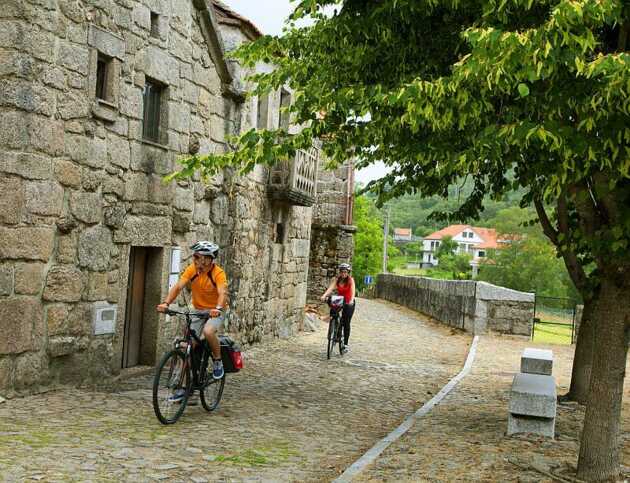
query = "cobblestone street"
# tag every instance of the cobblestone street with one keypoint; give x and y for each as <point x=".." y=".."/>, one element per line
<point x="464" y="437"/>
<point x="290" y="415"/>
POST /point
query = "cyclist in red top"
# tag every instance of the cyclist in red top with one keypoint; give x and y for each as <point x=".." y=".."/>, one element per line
<point x="344" y="285"/>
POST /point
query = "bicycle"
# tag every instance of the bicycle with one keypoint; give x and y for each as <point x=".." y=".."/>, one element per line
<point x="184" y="368"/>
<point x="335" y="327"/>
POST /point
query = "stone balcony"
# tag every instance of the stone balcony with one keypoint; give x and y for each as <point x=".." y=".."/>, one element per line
<point x="295" y="181"/>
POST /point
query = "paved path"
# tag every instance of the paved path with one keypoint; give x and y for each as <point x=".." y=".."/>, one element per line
<point x="464" y="437"/>
<point x="291" y="415"/>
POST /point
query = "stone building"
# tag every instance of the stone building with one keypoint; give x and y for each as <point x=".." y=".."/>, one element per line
<point x="98" y="99"/>
<point x="332" y="229"/>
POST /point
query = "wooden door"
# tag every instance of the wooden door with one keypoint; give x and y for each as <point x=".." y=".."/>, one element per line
<point x="135" y="307"/>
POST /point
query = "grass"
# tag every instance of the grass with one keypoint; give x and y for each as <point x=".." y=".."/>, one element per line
<point x="552" y="334"/>
<point x="275" y="453"/>
<point x="419" y="272"/>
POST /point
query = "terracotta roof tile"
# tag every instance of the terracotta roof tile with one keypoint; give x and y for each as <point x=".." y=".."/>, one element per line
<point x="489" y="235"/>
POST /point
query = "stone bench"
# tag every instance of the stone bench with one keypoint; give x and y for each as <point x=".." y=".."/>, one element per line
<point x="532" y="407"/>
<point x="537" y="361"/>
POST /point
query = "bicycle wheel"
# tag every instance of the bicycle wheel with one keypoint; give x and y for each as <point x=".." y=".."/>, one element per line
<point x="172" y="376"/>
<point x="211" y="392"/>
<point x="332" y="329"/>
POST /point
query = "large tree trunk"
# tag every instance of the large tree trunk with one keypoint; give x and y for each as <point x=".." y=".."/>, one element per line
<point x="600" y="444"/>
<point x="583" y="358"/>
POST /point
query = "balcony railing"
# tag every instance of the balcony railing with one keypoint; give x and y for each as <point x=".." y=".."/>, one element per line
<point x="295" y="181"/>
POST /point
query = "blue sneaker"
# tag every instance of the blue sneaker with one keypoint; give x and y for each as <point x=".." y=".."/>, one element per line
<point x="217" y="369"/>
<point x="177" y="396"/>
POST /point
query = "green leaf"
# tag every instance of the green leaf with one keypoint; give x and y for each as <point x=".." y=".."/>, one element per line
<point x="523" y="90"/>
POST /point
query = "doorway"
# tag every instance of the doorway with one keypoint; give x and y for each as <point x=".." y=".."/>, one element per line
<point x="143" y="295"/>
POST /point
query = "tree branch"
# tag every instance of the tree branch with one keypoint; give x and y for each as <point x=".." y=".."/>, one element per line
<point x="574" y="267"/>
<point x="548" y="229"/>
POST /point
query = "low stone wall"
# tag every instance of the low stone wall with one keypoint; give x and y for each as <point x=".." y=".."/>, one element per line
<point x="476" y="307"/>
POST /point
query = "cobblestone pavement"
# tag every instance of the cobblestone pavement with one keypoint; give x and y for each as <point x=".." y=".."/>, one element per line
<point x="290" y="415"/>
<point x="464" y="437"/>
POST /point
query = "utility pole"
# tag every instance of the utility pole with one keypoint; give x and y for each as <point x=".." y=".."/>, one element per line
<point x="385" y="235"/>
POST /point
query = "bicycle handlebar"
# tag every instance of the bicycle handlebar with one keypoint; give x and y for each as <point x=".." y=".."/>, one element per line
<point x="187" y="314"/>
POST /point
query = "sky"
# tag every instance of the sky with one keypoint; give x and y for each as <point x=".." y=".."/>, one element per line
<point x="269" y="16"/>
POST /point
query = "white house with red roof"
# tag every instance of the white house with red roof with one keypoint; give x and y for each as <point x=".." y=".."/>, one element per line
<point x="403" y="234"/>
<point x="473" y="240"/>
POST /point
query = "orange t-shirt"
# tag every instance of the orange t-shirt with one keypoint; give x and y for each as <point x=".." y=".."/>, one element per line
<point x="205" y="294"/>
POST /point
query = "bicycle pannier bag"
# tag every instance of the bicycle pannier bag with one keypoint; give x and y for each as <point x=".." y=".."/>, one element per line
<point x="230" y="354"/>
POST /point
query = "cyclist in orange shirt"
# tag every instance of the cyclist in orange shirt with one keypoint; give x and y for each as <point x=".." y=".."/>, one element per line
<point x="209" y="293"/>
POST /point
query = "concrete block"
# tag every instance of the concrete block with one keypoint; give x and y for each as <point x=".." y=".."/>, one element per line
<point x="537" y="361"/>
<point x="533" y="395"/>
<point x="530" y="424"/>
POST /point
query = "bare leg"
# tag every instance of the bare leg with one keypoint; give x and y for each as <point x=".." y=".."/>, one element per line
<point x="210" y="333"/>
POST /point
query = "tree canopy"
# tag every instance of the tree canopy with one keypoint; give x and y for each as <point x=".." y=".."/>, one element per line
<point x="511" y="94"/>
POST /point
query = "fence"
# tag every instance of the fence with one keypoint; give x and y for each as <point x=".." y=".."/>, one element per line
<point x="554" y="320"/>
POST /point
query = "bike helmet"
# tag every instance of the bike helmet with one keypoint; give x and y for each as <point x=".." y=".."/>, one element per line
<point x="206" y="248"/>
<point x="345" y="266"/>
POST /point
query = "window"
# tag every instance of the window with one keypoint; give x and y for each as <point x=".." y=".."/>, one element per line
<point x="103" y="67"/>
<point x="481" y="254"/>
<point x="285" y="103"/>
<point x="279" y="233"/>
<point x="155" y="25"/>
<point x="263" y="109"/>
<point x="152" y="110"/>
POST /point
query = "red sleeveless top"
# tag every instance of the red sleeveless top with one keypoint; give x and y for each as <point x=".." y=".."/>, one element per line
<point x="345" y="289"/>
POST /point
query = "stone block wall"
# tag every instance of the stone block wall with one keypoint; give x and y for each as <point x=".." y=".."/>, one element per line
<point x="332" y="238"/>
<point x="82" y="187"/>
<point x="476" y="307"/>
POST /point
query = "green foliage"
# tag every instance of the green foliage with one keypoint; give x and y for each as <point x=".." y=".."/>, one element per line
<point x="512" y="95"/>
<point x="368" y="240"/>
<point x="447" y="248"/>
<point x="457" y="265"/>
<point x="528" y="265"/>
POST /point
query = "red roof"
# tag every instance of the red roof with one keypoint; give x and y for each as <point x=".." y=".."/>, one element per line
<point x="488" y="235"/>
<point x="402" y="231"/>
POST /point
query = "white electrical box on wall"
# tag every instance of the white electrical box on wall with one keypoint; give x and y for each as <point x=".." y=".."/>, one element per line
<point x="173" y="276"/>
<point x="104" y="318"/>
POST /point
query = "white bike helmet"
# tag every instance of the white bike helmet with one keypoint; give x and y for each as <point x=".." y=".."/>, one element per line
<point x="345" y="266"/>
<point x="206" y="248"/>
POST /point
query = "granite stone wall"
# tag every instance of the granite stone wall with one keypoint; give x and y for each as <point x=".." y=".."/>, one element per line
<point x="476" y="307"/>
<point x="332" y="236"/>
<point x="83" y="187"/>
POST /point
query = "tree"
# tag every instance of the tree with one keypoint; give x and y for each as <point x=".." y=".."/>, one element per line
<point x="447" y="247"/>
<point x="512" y="94"/>
<point x="530" y="265"/>
<point x="368" y="240"/>
<point x="458" y="265"/>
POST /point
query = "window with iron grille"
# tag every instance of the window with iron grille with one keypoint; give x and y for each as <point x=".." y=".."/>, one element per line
<point x="103" y="65"/>
<point x="152" y="109"/>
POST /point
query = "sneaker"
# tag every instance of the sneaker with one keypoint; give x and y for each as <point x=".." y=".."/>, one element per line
<point x="217" y="369"/>
<point x="345" y="349"/>
<point x="177" y="396"/>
